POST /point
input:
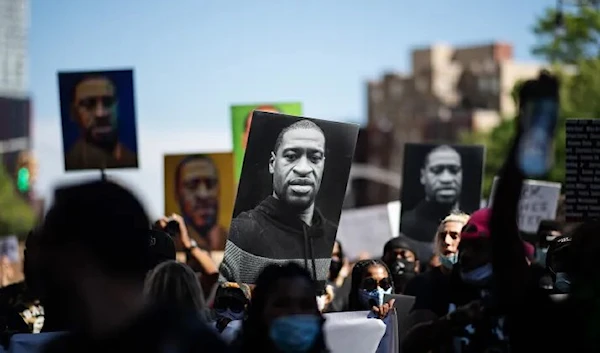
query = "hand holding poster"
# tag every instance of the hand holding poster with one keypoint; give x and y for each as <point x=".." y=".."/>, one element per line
<point x="290" y="195"/>
<point x="200" y="188"/>
<point x="539" y="201"/>
<point x="241" y="120"/>
<point x="98" y="120"/>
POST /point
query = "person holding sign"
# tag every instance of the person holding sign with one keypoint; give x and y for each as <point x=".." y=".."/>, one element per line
<point x="288" y="221"/>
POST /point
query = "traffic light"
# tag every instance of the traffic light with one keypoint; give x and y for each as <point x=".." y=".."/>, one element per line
<point x="23" y="180"/>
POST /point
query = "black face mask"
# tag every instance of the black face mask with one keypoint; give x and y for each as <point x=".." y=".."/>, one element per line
<point x="334" y="269"/>
<point x="402" y="272"/>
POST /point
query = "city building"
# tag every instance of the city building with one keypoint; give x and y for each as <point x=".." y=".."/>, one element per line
<point x="449" y="91"/>
<point x="14" y="26"/>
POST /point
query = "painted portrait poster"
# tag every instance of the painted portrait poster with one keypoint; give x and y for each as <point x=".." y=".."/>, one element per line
<point x="290" y="195"/>
<point x="437" y="180"/>
<point x="200" y="188"/>
<point x="241" y="120"/>
<point x="98" y="118"/>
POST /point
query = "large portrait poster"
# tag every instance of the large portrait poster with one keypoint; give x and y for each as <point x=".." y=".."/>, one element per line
<point x="241" y="120"/>
<point x="437" y="179"/>
<point x="200" y="188"/>
<point x="97" y="111"/>
<point x="290" y="195"/>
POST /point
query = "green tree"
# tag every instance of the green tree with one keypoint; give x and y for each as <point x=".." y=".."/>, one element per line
<point x="575" y="53"/>
<point x="16" y="215"/>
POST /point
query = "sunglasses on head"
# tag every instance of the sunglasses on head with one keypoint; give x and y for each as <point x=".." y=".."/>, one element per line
<point x="371" y="284"/>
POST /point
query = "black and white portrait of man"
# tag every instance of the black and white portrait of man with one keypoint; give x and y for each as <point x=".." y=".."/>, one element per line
<point x="290" y="195"/>
<point x="437" y="180"/>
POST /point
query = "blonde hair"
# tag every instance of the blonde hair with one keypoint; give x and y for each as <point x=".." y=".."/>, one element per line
<point x="174" y="284"/>
<point x="455" y="216"/>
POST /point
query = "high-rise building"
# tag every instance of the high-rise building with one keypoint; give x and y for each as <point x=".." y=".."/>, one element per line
<point x="14" y="28"/>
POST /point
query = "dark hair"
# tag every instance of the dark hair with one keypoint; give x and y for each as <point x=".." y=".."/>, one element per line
<point x="255" y="331"/>
<point x="88" y="77"/>
<point x="302" y="124"/>
<point x="106" y="220"/>
<point x="191" y="158"/>
<point x="439" y="149"/>
<point x="358" y="273"/>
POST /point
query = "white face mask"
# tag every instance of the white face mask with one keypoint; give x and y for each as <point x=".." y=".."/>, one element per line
<point x="227" y="313"/>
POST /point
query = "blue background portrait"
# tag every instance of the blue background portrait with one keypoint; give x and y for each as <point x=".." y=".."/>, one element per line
<point x="123" y="81"/>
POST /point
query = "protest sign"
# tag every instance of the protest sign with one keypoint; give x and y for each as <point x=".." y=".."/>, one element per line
<point x="539" y="201"/>
<point x="241" y="120"/>
<point x="97" y="111"/>
<point x="200" y="188"/>
<point x="290" y="195"/>
<point x="364" y="229"/>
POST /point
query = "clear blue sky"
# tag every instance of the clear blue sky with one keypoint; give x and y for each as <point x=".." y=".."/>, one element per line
<point x="194" y="58"/>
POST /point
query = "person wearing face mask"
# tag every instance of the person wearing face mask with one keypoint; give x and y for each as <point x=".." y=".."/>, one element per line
<point x="471" y="321"/>
<point x="283" y="316"/>
<point x="371" y="281"/>
<point x="231" y="301"/>
<point x="428" y="286"/>
<point x="337" y="288"/>
<point x="402" y="261"/>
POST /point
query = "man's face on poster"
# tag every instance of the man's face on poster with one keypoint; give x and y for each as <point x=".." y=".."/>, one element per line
<point x="198" y="193"/>
<point x="297" y="167"/>
<point x="441" y="176"/>
<point x="246" y="133"/>
<point x="94" y="109"/>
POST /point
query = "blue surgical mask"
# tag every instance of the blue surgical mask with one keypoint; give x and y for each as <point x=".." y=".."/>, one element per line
<point x="229" y="314"/>
<point x="295" y="333"/>
<point x="448" y="261"/>
<point x="478" y="276"/>
<point x="377" y="296"/>
<point x="562" y="283"/>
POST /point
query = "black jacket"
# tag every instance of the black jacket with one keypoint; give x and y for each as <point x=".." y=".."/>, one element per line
<point x="272" y="234"/>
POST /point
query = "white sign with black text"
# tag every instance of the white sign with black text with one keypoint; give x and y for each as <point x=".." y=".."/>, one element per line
<point x="539" y="201"/>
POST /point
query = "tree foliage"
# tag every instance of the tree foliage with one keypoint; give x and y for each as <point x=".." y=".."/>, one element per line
<point x="576" y="58"/>
<point x="16" y="215"/>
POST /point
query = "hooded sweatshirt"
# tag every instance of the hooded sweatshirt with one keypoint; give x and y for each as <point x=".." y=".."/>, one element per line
<point x="273" y="234"/>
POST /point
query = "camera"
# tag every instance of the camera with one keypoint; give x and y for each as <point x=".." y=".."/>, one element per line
<point x="172" y="228"/>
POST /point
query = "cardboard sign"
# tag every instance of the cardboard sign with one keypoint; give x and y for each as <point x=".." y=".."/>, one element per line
<point x="354" y="332"/>
<point x="290" y="195"/>
<point x="364" y="229"/>
<point x="97" y="111"/>
<point x="241" y="120"/>
<point x="539" y="201"/>
<point x="200" y="188"/>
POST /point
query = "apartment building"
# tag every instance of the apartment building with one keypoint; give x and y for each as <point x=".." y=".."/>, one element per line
<point x="14" y="26"/>
<point x="450" y="90"/>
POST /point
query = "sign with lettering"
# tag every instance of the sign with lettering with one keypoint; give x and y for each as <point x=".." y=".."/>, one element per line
<point x="539" y="201"/>
<point x="582" y="180"/>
